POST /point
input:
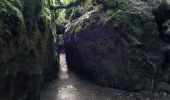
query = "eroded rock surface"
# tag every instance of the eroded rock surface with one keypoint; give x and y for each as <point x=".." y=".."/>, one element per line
<point x="119" y="47"/>
<point x="26" y="48"/>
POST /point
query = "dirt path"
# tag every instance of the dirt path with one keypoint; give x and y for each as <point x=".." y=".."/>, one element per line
<point x="71" y="87"/>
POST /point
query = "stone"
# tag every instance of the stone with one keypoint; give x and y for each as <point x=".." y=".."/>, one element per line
<point x="120" y="48"/>
<point x="27" y="57"/>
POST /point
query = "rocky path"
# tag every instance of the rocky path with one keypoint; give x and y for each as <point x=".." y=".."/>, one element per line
<point x="71" y="87"/>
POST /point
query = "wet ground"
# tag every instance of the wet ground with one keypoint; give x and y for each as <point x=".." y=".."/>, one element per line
<point x="71" y="87"/>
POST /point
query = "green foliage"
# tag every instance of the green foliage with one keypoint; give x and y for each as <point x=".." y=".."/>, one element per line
<point x="46" y="15"/>
<point x="48" y="26"/>
<point x="115" y="15"/>
<point x="65" y="2"/>
<point x="74" y="12"/>
<point x="88" y="2"/>
<point x="61" y="15"/>
<point x="116" y="4"/>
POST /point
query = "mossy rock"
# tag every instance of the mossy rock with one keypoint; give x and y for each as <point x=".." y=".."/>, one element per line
<point x="113" y="4"/>
<point x="113" y="46"/>
<point x="26" y="48"/>
<point x="12" y="25"/>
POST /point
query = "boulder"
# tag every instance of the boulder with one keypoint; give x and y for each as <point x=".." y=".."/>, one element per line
<point x="119" y="48"/>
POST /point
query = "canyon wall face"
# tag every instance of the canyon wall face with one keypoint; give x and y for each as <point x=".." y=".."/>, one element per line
<point x="27" y="56"/>
<point x="118" y="43"/>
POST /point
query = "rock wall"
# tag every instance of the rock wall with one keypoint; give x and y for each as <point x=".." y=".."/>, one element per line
<point x="119" y="46"/>
<point x="27" y="57"/>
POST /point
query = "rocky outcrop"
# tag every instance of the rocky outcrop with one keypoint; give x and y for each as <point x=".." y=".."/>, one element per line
<point x="119" y="46"/>
<point x="26" y="48"/>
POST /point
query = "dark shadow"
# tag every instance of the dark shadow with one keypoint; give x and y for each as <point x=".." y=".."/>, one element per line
<point x="162" y="14"/>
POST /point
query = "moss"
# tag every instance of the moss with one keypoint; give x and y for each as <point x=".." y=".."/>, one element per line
<point x="115" y="15"/>
<point x="31" y="53"/>
<point x="73" y="13"/>
<point x="7" y="7"/>
<point x="31" y="10"/>
<point x="61" y="15"/>
<point x="88" y="2"/>
<point x="12" y="24"/>
<point x="114" y="4"/>
<point x="17" y="3"/>
<point x="65" y="2"/>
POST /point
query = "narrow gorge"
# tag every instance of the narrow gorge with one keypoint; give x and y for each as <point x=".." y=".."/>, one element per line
<point x="84" y="49"/>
